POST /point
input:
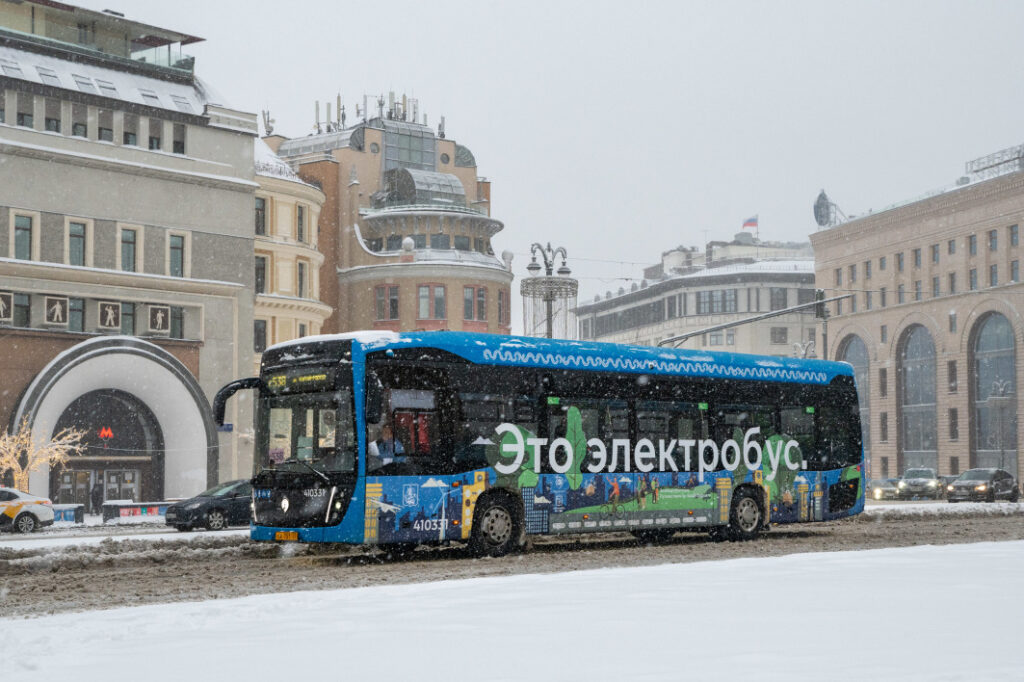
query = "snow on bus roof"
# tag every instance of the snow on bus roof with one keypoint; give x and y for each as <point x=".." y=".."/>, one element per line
<point x="590" y="355"/>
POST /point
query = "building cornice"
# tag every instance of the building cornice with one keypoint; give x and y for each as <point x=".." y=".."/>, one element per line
<point x="73" y="274"/>
<point x="290" y="304"/>
<point x="438" y="270"/>
<point x="96" y="162"/>
<point x="943" y="204"/>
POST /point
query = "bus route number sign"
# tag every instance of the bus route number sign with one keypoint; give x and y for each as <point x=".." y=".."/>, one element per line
<point x="301" y="380"/>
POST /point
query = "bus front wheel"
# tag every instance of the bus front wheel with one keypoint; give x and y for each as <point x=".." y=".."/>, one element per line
<point x="497" y="529"/>
<point x="745" y="516"/>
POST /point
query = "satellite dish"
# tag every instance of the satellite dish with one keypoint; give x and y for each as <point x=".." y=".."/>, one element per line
<point x="823" y="210"/>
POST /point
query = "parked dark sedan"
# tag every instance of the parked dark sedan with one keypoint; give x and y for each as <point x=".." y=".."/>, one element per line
<point x="983" y="484"/>
<point x="223" y="505"/>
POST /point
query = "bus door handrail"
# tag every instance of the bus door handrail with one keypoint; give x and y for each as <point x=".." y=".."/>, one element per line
<point x="221" y="399"/>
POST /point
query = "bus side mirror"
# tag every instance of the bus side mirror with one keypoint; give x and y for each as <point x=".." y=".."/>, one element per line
<point x="374" y="398"/>
<point x="221" y="399"/>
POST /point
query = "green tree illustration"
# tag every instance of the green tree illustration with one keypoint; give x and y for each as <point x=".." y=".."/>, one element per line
<point x="574" y="434"/>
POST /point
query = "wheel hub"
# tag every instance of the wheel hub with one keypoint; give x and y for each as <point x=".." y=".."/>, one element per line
<point x="497" y="526"/>
<point x="748" y="515"/>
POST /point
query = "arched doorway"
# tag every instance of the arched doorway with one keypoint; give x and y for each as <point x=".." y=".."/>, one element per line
<point x="916" y="372"/>
<point x="119" y="366"/>
<point x="854" y="351"/>
<point x="123" y="453"/>
<point x="993" y="366"/>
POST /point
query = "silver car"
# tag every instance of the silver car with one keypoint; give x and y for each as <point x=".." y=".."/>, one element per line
<point x="920" y="482"/>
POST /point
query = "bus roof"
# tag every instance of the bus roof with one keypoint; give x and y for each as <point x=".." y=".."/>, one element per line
<point x="521" y="351"/>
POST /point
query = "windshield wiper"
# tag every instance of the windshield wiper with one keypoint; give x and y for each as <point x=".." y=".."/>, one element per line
<point x="309" y="466"/>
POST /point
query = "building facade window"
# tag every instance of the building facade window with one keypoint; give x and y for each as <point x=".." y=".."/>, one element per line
<point x="936" y="289"/>
<point x="867" y="300"/>
<point x="76" y="244"/>
<point x="504" y="314"/>
<point x="300" y="223"/>
<point x="1014" y="235"/>
<point x="462" y="243"/>
<point x="881" y="297"/>
<point x="883" y="427"/>
<point x="778" y="296"/>
<point x="993" y="275"/>
<point x="883" y="333"/>
<point x="76" y="315"/>
<point x="973" y="279"/>
<point x="474" y="301"/>
<point x="431" y="303"/>
<point x="259" y="336"/>
<point x="952" y="283"/>
<point x="951" y="376"/>
<point x="779" y="335"/>
<point x="883" y="382"/>
<point x="261" y="216"/>
<point x="177" y="322"/>
<point x="23" y="237"/>
<point x="917" y="258"/>
<point x="128" y="250"/>
<point x="854" y="351"/>
<point x="954" y="424"/>
<point x="176" y="255"/>
<point x="901" y="294"/>
<point x="917" y="290"/>
<point x="301" y="282"/>
<point x="440" y="241"/>
<point x="261" y="274"/>
<point x="386" y="302"/>
<point x="935" y="254"/>
<point x="838" y="276"/>
<point x="1014" y="271"/>
<point x="21" y="316"/>
<point x="993" y="240"/>
<point x="952" y="322"/>
<point x="899" y="261"/>
<point x="972" y="245"/>
<point x="419" y="241"/>
<point x="867" y="269"/>
<point x="394" y="242"/>
<point x="917" y="399"/>
<point x="853" y="273"/>
<point x="128" y="319"/>
<point x="881" y="262"/>
<point x="951" y="247"/>
<point x="993" y="366"/>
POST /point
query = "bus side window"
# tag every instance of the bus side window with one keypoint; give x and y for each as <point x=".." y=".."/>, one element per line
<point x="798" y="424"/>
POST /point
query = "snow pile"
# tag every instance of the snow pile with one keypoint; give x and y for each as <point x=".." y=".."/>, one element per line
<point x="895" y="512"/>
<point x="836" y="616"/>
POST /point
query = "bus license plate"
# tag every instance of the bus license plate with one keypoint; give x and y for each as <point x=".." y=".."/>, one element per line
<point x="287" y="535"/>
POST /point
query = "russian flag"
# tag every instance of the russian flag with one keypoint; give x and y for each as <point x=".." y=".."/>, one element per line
<point x="750" y="222"/>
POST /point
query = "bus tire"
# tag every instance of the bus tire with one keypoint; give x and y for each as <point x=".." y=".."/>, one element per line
<point x="745" y="516"/>
<point x="497" y="527"/>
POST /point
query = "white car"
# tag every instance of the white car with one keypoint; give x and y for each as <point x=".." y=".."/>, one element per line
<point x="23" y="513"/>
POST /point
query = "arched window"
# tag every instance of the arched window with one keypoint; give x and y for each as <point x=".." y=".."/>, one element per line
<point x="993" y="368"/>
<point x="917" y="400"/>
<point x="853" y="351"/>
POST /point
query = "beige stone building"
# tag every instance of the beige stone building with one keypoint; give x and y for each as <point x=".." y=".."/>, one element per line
<point x="288" y="260"/>
<point x="406" y="226"/>
<point x="126" y="247"/>
<point x="729" y="281"/>
<point x="934" y="320"/>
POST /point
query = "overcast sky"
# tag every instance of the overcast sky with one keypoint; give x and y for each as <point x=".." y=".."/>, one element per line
<point x="620" y="130"/>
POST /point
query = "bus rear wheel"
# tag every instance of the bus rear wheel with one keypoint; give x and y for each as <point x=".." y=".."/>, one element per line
<point x="497" y="528"/>
<point x="745" y="516"/>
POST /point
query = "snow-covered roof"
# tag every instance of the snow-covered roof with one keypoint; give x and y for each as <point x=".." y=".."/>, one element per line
<point x="270" y="164"/>
<point x="316" y="143"/>
<point x="804" y="266"/>
<point x="33" y="67"/>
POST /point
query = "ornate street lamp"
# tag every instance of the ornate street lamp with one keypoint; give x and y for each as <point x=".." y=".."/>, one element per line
<point x="555" y="290"/>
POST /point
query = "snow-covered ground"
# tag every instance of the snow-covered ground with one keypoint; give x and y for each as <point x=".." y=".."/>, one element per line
<point x="922" y="613"/>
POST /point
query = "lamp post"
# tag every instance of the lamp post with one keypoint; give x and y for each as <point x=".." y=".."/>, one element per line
<point x="551" y="286"/>
<point x="999" y="399"/>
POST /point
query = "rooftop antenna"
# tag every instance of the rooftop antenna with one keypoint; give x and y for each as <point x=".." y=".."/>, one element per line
<point x="268" y="123"/>
<point x="341" y="123"/>
<point x="328" y="105"/>
<point x="380" y="106"/>
<point x="440" y="128"/>
<point x="318" y="117"/>
<point x="341" y="117"/>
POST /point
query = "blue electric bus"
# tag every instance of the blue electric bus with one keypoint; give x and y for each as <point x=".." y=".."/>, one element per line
<point x="408" y="438"/>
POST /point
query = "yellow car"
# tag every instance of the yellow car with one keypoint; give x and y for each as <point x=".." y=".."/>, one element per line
<point x="23" y="513"/>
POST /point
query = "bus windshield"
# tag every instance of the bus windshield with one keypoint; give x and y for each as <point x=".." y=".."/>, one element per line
<point x="308" y="430"/>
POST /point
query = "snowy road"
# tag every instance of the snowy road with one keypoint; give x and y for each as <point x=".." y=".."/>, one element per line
<point x="199" y="566"/>
<point x="835" y="616"/>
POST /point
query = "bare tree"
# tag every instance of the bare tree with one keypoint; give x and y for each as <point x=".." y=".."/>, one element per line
<point x="21" y="455"/>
